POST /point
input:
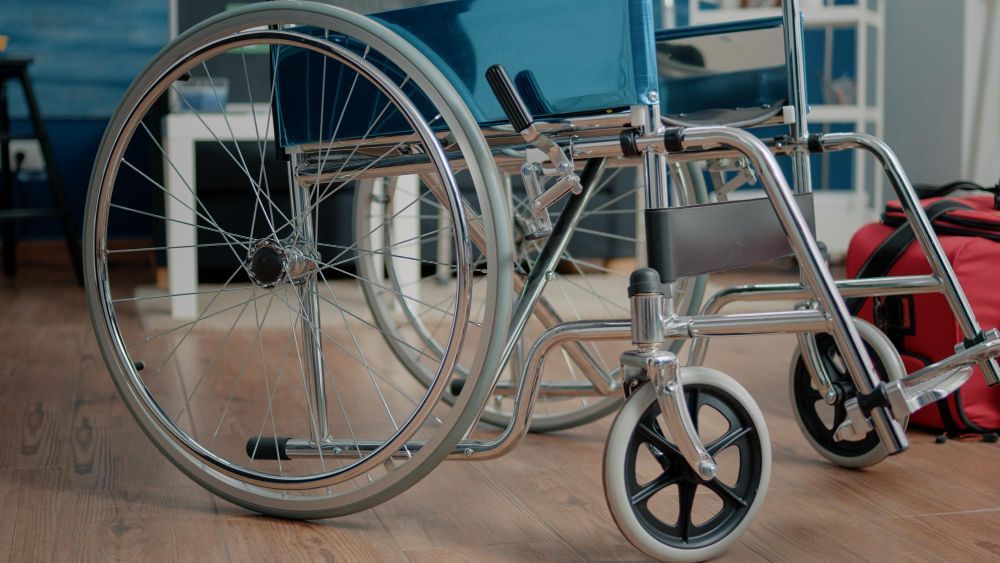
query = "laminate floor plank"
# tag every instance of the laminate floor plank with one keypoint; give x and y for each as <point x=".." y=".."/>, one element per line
<point x="79" y="480"/>
<point x="534" y="552"/>
<point x="454" y="506"/>
<point x="357" y="537"/>
<point x="30" y="511"/>
<point x="148" y="524"/>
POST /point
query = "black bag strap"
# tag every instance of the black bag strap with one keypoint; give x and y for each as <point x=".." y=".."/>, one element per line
<point x="886" y="254"/>
<point x="926" y="191"/>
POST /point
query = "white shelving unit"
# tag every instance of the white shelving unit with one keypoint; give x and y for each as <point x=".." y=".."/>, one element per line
<point x="841" y="209"/>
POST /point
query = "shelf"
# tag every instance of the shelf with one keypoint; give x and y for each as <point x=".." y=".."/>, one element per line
<point x="828" y="113"/>
<point x="17" y="136"/>
<point x="29" y="213"/>
<point x="815" y="16"/>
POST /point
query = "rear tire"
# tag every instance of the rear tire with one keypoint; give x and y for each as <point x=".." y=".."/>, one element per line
<point x="304" y="487"/>
<point x="818" y="420"/>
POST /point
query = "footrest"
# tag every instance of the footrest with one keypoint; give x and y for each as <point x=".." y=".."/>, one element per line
<point x="940" y="379"/>
<point x="267" y="448"/>
<point x="919" y="389"/>
<point x="906" y="396"/>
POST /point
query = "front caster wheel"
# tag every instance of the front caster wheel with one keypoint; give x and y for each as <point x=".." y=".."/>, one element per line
<point x="818" y="419"/>
<point x="658" y="502"/>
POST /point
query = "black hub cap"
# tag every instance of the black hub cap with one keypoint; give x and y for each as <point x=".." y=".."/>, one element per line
<point x="810" y="405"/>
<point x="676" y="475"/>
<point x="267" y="265"/>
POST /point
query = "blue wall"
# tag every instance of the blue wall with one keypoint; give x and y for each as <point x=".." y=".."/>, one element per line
<point x="86" y="53"/>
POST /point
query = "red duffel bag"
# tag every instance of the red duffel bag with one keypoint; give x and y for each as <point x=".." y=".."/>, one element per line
<point x="922" y="327"/>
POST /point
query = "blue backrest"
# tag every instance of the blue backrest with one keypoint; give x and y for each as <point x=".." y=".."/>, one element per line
<point x="567" y="57"/>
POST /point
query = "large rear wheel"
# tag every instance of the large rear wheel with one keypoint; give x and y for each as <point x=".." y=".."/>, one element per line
<point x="271" y="385"/>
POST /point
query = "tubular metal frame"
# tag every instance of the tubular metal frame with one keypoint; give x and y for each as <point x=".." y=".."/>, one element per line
<point x="596" y="139"/>
<point x="702" y="143"/>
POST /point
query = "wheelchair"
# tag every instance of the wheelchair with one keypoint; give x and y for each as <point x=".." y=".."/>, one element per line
<point x="331" y="364"/>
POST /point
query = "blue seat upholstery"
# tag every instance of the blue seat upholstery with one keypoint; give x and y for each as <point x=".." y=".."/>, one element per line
<point x="699" y="87"/>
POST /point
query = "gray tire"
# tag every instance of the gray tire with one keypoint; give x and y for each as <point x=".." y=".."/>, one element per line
<point x="631" y="516"/>
<point x="852" y="454"/>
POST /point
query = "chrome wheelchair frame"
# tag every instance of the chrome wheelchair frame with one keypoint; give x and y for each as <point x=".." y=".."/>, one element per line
<point x="651" y="377"/>
<point x="655" y="142"/>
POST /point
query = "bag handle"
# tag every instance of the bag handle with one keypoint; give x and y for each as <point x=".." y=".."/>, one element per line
<point x="926" y="191"/>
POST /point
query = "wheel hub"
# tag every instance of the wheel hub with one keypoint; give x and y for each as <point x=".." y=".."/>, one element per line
<point x="271" y="262"/>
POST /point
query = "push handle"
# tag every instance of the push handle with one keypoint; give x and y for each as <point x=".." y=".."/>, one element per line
<point x="511" y="102"/>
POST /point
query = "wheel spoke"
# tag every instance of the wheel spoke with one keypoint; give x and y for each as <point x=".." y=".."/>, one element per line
<point x="206" y="292"/>
<point x="727" y="440"/>
<point x="655" y="439"/>
<point x="656" y="485"/>
<point x="727" y="495"/>
<point x="686" y="491"/>
<point x="693" y="397"/>
<point x="195" y="225"/>
<point x="839" y="416"/>
<point x="613" y="236"/>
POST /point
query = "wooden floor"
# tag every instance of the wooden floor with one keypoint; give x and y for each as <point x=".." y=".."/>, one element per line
<point x="79" y="481"/>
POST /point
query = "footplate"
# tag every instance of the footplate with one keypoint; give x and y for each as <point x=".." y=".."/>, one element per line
<point x="919" y="389"/>
<point x="907" y="397"/>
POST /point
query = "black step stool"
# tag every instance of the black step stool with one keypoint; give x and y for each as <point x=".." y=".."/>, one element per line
<point x="17" y="69"/>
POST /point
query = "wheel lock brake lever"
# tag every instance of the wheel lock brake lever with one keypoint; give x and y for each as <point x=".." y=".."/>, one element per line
<point x="535" y="175"/>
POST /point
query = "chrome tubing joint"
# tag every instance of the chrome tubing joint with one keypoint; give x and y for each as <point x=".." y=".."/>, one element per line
<point x="649" y="362"/>
<point x="815" y="273"/>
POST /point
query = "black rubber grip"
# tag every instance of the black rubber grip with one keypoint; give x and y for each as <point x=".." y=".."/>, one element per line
<point x="673" y="139"/>
<point x="627" y="142"/>
<point x="267" y="447"/>
<point x="511" y="102"/>
<point x="644" y="280"/>
<point x="815" y="143"/>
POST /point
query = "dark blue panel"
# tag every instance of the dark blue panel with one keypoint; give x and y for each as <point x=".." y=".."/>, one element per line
<point x="86" y="52"/>
<point x="74" y="142"/>
<point x="843" y="62"/>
